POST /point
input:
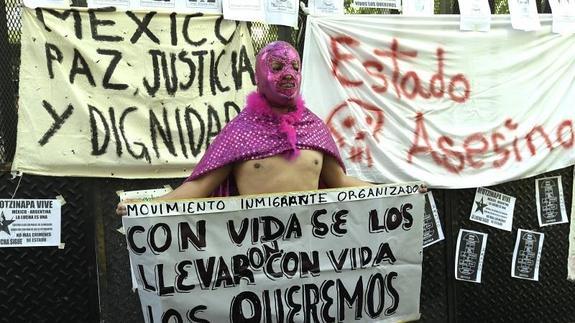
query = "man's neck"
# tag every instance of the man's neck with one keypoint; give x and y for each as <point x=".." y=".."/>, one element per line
<point x="282" y="109"/>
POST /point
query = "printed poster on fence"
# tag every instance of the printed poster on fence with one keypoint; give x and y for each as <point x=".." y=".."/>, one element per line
<point x="432" y="230"/>
<point x="414" y="98"/>
<point x="337" y="255"/>
<point x="550" y="201"/>
<point x="469" y="254"/>
<point x="126" y="94"/>
<point x="493" y="208"/>
<point x="527" y="255"/>
<point x="30" y="223"/>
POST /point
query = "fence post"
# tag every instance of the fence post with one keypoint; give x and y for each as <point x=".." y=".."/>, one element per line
<point x="8" y="115"/>
<point x="284" y="33"/>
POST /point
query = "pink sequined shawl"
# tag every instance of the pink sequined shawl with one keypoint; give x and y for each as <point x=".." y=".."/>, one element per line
<point x="257" y="132"/>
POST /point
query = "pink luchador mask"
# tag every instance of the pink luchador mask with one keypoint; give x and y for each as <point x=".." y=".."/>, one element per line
<point x="278" y="74"/>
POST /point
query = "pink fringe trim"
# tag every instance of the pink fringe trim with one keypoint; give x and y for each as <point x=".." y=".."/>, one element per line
<point x="259" y="105"/>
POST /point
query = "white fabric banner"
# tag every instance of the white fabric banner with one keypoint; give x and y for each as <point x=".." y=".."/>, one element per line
<point x="331" y="256"/>
<point x="414" y="98"/>
<point x="122" y="94"/>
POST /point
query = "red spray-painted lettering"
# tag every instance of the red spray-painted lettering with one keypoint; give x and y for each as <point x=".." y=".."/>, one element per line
<point x="406" y="84"/>
<point x="343" y="124"/>
<point x="357" y="127"/>
<point x="478" y="144"/>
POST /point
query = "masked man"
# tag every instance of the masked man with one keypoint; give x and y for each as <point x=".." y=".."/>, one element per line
<point x="275" y="144"/>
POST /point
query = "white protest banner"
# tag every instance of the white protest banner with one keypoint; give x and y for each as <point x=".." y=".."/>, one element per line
<point x="493" y="208"/>
<point x="353" y="255"/>
<point x="469" y="254"/>
<point x="30" y="223"/>
<point x="550" y="201"/>
<point x="124" y="94"/>
<point x="527" y="255"/>
<point x="413" y="98"/>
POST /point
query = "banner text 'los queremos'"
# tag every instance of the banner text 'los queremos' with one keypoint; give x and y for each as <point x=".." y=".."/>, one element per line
<point x="354" y="260"/>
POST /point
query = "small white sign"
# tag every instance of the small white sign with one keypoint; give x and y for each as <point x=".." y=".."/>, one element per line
<point x="432" y="230"/>
<point x="244" y="10"/>
<point x="325" y="7"/>
<point x="209" y="6"/>
<point x="469" y="255"/>
<point x="563" y="16"/>
<point x="384" y="4"/>
<point x="30" y="223"/>
<point x="156" y="4"/>
<point x="47" y="3"/>
<point x="282" y="12"/>
<point x="493" y="208"/>
<point x="527" y="255"/>
<point x="550" y="201"/>
<point x="524" y="15"/>
<point x="107" y="3"/>
<point x="475" y="15"/>
<point x="143" y="195"/>
<point x="418" y="7"/>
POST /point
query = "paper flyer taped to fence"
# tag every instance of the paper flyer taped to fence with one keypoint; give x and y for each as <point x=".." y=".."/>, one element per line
<point x="493" y="208"/>
<point x="527" y="255"/>
<point x="432" y="230"/>
<point x="342" y="258"/>
<point x="469" y="255"/>
<point x="550" y="201"/>
<point x="30" y="222"/>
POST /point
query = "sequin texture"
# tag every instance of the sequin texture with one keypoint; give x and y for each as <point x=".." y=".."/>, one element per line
<point x="258" y="132"/>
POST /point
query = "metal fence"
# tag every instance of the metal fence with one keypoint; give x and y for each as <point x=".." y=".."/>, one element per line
<point x="89" y="279"/>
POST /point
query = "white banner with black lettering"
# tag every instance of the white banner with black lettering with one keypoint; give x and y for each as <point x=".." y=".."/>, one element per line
<point x="334" y="255"/>
<point x="413" y="98"/>
<point x="124" y="94"/>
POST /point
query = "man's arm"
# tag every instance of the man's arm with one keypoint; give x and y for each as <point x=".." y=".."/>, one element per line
<point x="334" y="177"/>
<point x="198" y="188"/>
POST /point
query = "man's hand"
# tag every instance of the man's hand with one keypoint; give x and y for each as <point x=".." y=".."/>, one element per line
<point x="422" y="188"/>
<point x="121" y="209"/>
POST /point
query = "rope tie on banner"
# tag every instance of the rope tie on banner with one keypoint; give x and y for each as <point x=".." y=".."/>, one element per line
<point x="17" y="185"/>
